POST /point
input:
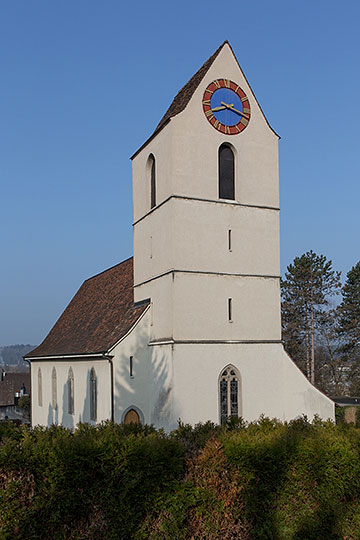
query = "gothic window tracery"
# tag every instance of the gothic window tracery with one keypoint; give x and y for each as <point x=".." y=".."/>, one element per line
<point x="229" y="393"/>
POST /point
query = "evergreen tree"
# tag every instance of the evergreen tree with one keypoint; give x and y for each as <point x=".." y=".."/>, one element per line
<point x="309" y="283"/>
<point x="349" y="315"/>
<point x="350" y="307"/>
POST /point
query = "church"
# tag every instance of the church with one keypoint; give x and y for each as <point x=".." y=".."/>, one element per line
<point x="188" y="328"/>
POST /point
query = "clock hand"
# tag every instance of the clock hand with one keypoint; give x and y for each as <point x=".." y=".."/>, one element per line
<point x="232" y="108"/>
<point x="227" y="105"/>
<point x="218" y="108"/>
<point x="241" y="113"/>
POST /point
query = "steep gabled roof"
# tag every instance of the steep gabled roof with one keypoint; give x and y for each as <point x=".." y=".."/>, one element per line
<point x="101" y="313"/>
<point x="184" y="95"/>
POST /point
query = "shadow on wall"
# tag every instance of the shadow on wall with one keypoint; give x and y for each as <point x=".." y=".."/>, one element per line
<point x="53" y="415"/>
<point x="149" y="389"/>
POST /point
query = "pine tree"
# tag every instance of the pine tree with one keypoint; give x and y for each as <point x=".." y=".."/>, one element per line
<point x="309" y="283"/>
<point x="350" y="307"/>
<point x="349" y="315"/>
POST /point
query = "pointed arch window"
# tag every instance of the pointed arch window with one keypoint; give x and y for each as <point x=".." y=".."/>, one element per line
<point x="71" y="392"/>
<point x="226" y="172"/>
<point x="229" y="393"/>
<point x="40" y="397"/>
<point x="152" y="173"/>
<point x="53" y="388"/>
<point x="93" y="395"/>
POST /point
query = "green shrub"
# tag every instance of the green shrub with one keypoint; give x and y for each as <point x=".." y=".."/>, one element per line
<point x="262" y="480"/>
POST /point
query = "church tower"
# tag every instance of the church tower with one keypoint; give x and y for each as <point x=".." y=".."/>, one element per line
<point x="206" y="249"/>
<point x="206" y="213"/>
<point x="189" y="328"/>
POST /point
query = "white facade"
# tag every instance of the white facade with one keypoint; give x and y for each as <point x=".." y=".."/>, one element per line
<point x="185" y="264"/>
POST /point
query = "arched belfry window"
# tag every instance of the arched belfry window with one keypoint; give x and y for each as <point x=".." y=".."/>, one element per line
<point x="71" y="392"/>
<point x="53" y="388"/>
<point x="229" y="393"/>
<point x="152" y="174"/>
<point x="93" y="394"/>
<point x="40" y="399"/>
<point x="226" y="172"/>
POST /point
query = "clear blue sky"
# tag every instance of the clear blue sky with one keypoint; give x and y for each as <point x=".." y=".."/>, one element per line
<point x="84" y="83"/>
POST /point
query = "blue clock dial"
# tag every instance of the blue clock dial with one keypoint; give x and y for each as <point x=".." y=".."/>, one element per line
<point x="226" y="106"/>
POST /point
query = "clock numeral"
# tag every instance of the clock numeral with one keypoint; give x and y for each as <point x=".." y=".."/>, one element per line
<point x="244" y="121"/>
<point x="237" y="127"/>
<point x="217" y="84"/>
<point x="206" y="101"/>
<point x="217" y="124"/>
<point x="246" y="111"/>
<point x="237" y="88"/>
<point x="209" y="114"/>
<point x="244" y="99"/>
<point x="210" y="91"/>
<point x="227" y="83"/>
<point x="227" y="129"/>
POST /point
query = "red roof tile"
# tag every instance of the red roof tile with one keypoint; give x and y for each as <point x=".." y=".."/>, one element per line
<point x="184" y="95"/>
<point x="101" y="312"/>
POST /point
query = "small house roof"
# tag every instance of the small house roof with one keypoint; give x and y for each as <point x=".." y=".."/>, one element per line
<point x="101" y="313"/>
<point x="10" y="384"/>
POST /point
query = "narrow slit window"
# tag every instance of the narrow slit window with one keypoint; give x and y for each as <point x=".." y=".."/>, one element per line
<point x="54" y="388"/>
<point x="152" y="181"/>
<point x="131" y="366"/>
<point x="40" y="399"/>
<point x="230" y="309"/>
<point x="226" y="173"/>
<point x="93" y="395"/>
<point x="71" y="392"/>
<point x="229" y="240"/>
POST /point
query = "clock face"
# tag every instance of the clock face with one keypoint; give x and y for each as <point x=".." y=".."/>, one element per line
<point x="226" y="106"/>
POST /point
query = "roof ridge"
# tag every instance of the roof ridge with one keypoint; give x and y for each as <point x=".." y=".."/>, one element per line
<point x="184" y="95"/>
<point x="108" y="269"/>
<point x="192" y="85"/>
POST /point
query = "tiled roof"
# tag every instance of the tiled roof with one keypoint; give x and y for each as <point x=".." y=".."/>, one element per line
<point x="184" y="95"/>
<point x="12" y="383"/>
<point x="7" y="393"/>
<point x="101" y="312"/>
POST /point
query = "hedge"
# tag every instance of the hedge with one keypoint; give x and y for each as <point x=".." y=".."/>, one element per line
<point x="258" y="481"/>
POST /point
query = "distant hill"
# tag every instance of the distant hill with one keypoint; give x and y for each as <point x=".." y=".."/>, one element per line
<point x="11" y="355"/>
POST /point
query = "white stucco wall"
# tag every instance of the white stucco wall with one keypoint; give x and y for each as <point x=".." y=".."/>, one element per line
<point x="189" y="232"/>
<point x="133" y="392"/>
<point x="271" y="384"/>
<point x="149" y="390"/>
<point x="45" y="415"/>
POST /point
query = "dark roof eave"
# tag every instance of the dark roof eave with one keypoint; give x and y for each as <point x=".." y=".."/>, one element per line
<point x="157" y="130"/>
<point x="76" y="355"/>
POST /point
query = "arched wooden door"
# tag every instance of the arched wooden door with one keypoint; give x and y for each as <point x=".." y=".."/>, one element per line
<point x="132" y="417"/>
